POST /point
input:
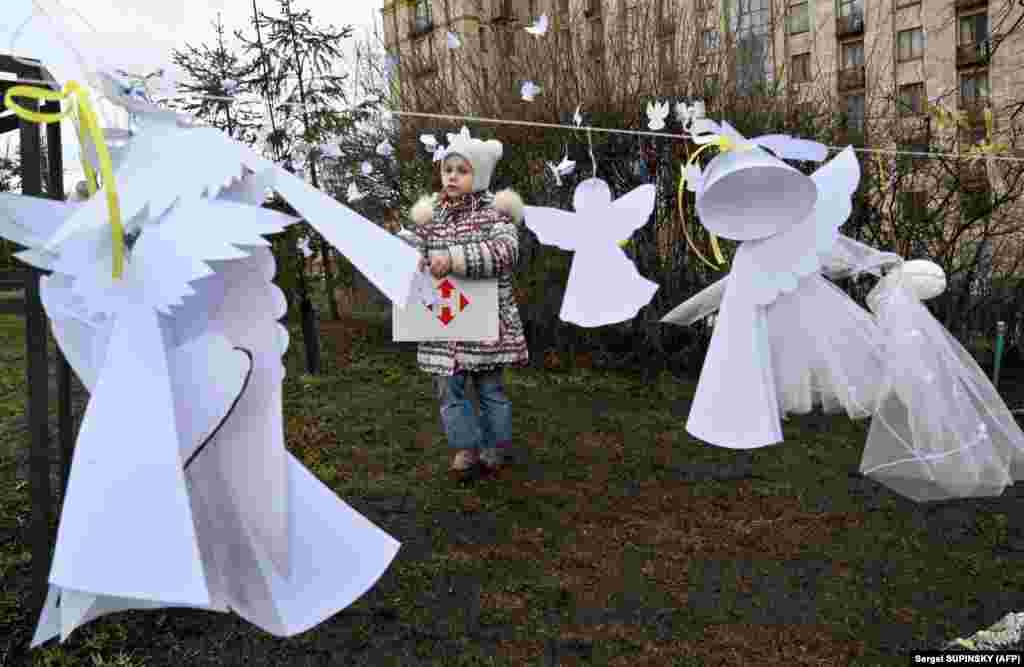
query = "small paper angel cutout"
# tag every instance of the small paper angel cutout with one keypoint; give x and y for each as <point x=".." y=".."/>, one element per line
<point x="453" y="40"/>
<point x="440" y="152"/>
<point x="463" y="135"/>
<point x="230" y="86"/>
<point x="384" y="149"/>
<point x="530" y="90"/>
<point x="429" y="141"/>
<point x="353" y="193"/>
<point x="576" y="117"/>
<point x="332" y="151"/>
<point x="656" y="115"/>
<point x="539" y="27"/>
<point x="604" y="286"/>
<point x="366" y="167"/>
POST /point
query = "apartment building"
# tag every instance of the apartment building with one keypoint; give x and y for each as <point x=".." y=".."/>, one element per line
<point x="879" y="63"/>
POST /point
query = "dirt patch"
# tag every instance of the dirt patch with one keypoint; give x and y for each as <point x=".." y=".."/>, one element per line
<point x="343" y="334"/>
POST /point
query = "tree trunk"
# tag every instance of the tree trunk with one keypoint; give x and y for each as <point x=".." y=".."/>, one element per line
<point x="328" y="264"/>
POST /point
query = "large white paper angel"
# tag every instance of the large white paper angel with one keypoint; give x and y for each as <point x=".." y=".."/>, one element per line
<point x="181" y="492"/>
<point x="604" y="286"/>
<point x="785" y="338"/>
<point x="182" y="357"/>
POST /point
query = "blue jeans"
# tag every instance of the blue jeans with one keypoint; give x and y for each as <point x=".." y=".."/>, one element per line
<point x="493" y="428"/>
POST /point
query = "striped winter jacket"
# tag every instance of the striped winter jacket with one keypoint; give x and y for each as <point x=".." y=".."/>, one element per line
<point x="479" y="232"/>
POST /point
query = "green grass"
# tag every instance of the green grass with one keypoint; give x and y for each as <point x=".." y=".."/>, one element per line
<point x="607" y="523"/>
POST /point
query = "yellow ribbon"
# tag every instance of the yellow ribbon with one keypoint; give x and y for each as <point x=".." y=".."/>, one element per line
<point x="724" y="144"/>
<point x="87" y="120"/>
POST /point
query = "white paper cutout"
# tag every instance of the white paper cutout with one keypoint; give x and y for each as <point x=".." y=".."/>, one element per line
<point x="429" y="141"/>
<point x="332" y="151"/>
<point x="304" y="248"/>
<point x="656" y="115"/>
<point x="422" y="291"/>
<point x="353" y="192"/>
<point x="563" y="168"/>
<point x="453" y="40"/>
<point x="530" y="90"/>
<point x="576" y="117"/>
<point x="539" y="27"/>
<point x="604" y="286"/>
<point x="384" y="149"/>
<point x="465" y="310"/>
<point x="366" y="167"/>
<point x="440" y="153"/>
<point x="463" y="135"/>
<point x="230" y="86"/>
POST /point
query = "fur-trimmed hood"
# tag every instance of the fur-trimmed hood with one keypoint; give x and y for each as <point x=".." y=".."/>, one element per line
<point x="506" y="201"/>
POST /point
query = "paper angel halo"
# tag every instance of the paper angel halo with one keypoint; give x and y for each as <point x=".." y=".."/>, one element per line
<point x="749" y="194"/>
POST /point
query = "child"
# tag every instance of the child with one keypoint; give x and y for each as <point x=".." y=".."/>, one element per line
<point x="469" y="232"/>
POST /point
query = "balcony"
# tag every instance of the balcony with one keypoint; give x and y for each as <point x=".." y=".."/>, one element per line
<point x="973" y="54"/>
<point x="850" y="26"/>
<point x="963" y="5"/>
<point x="851" y="78"/>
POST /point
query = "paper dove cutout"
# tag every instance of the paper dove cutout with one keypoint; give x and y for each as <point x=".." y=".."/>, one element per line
<point x="463" y="135"/>
<point x="191" y="326"/>
<point x="453" y="40"/>
<point x="429" y="141"/>
<point x="785" y="338"/>
<point x="366" y="167"/>
<point x="577" y="118"/>
<point x="530" y="90"/>
<point x="384" y="149"/>
<point x="353" y="192"/>
<point x="539" y="27"/>
<point x="604" y="286"/>
<point x="656" y="114"/>
<point x="563" y="168"/>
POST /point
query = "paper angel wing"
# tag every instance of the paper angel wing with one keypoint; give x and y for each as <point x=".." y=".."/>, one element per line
<point x="698" y="306"/>
<point x="772" y="266"/>
<point x="29" y="221"/>
<point x="553" y="226"/>
<point x="167" y="164"/>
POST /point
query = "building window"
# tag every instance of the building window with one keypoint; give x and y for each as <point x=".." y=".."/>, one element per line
<point x="853" y="54"/>
<point x="911" y="100"/>
<point x="751" y="27"/>
<point x="667" y="62"/>
<point x="801" y="69"/>
<point x="850" y="8"/>
<point x="483" y="40"/>
<point x="422" y="21"/>
<point x="709" y="41"/>
<point x="910" y="44"/>
<point x="799" y="18"/>
<point x="973" y="29"/>
<point x="855" y="113"/>
<point x="563" y="6"/>
<point x="974" y="88"/>
<point x="596" y="38"/>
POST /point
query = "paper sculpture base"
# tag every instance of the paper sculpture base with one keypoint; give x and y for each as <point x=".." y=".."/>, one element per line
<point x="467" y="310"/>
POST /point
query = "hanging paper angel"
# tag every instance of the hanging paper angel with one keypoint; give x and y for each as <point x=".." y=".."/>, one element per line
<point x="150" y="300"/>
<point x="785" y="338"/>
<point x="604" y="286"/>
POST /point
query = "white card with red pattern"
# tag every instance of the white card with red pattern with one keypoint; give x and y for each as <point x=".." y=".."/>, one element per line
<point x="465" y="310"/>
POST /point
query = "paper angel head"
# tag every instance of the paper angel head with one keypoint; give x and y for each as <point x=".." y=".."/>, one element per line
<point x="749" y="194"/>
<point x="481" y="155"/>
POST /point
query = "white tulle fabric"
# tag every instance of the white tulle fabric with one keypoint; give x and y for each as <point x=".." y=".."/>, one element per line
<point x="825" y="351"/>
<point x="940" y="429"/>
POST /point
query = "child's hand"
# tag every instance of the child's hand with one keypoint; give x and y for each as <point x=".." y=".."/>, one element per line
<point x="440" y="266"/>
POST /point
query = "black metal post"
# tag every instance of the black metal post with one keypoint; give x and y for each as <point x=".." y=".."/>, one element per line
<point x="36" y="340"/>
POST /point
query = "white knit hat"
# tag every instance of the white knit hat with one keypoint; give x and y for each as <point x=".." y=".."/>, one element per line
<point x="481" y="155"/>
